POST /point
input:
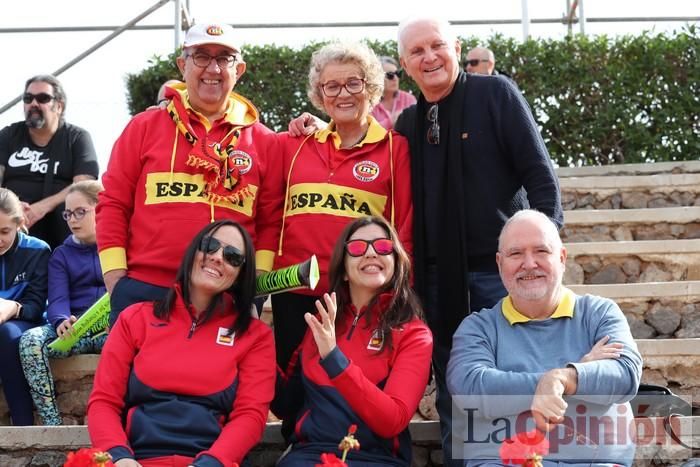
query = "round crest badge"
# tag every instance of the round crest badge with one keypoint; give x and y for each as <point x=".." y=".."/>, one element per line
<point x="241" y="160"/>
<point x="366" y="171"/>
<point x="215" y="30"/>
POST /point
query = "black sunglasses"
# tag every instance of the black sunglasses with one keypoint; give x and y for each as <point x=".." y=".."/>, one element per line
<point x="393" y="74"/>
<point x="474" y="61"/>
<point x="434" y="129"/>
<point x="41" y="98"/>
<point x="232" y="255"/>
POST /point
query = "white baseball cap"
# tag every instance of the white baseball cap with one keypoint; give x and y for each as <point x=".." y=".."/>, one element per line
<point x="212" y="33"/>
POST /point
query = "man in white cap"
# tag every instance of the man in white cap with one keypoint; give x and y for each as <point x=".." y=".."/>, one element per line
<point x="203" y="158"/>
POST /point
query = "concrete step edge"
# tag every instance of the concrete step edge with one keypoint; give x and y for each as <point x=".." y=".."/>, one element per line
<point x="681" y="289"/>
<point x="667" y="247"/>
<point x="76" y="436"/>
<point x="668" y="182"/>
<point x="628" y="169"/>
<point x="681" y="215"/>
<point x="650" y="348"/>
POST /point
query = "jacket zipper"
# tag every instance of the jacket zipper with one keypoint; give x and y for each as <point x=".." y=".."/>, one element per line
<point x="354" y="323"/>
<point x="192" y="328"/>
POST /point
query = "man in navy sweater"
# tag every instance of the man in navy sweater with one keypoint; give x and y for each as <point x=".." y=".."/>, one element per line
<point x="476" y="158"/>
<point x="575" y="354"/>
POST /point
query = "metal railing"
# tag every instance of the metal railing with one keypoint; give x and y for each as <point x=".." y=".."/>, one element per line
<point x="183" y="10"/>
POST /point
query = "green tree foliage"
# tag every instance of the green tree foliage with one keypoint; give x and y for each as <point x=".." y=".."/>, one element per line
<point x="598" y="100"/>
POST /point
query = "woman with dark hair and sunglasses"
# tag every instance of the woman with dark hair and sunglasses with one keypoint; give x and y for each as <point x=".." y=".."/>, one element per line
<point x="365" y="359"/>
<point x="393" y="100"/>
<point x="187" y="381"/>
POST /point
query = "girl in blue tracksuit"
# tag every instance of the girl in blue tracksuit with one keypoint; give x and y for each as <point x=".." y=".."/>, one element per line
<point x="23" y="288"/>
<point x="75" y="284"/>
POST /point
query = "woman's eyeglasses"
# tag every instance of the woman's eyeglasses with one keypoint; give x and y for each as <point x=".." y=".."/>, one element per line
<point x="393" y="74"/>
<point x="352" y="86"/>
<point x="41" y="98"/>
<point x="77" y="213"/>
<point x="434" y="129"/>
<point x="381" y="246"/>
<point x="232" y="255"/>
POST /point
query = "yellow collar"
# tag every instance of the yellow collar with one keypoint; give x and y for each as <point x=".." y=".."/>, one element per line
<point x="565" y="309"/>
<point x="239" y="111"/>
<point x="375" y="133"/>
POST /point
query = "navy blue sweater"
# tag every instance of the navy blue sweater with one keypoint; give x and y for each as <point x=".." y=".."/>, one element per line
<point x="24" y="275"/>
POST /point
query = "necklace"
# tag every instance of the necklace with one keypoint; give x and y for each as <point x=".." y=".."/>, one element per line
<point x="364" y="135"/>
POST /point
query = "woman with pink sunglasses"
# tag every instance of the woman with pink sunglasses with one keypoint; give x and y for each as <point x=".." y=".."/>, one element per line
<point x="365" y="359"/>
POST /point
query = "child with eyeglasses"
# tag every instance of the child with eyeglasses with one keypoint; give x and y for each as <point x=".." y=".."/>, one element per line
<point x="75" y="283"/>
<point x="394" y="100"/>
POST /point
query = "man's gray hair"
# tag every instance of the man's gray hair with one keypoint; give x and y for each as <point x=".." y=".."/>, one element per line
<point x="549" y="227"/>
<point x="58" y="93"/>
<point x="444" y="26"/>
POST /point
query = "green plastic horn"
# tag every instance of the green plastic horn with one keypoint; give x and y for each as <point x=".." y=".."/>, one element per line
<point x="297" y="276"/>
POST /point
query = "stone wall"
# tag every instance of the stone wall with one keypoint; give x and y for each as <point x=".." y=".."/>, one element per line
<point x="662" y="318"/>
<point x="640" y="198"/>
<point x="631" y="268"/>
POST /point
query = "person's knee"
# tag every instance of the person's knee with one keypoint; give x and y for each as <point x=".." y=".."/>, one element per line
<point x="10" y="334"/>
<point x="31" y="340"/>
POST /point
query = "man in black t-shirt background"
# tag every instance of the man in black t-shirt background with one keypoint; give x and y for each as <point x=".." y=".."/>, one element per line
<point x="42" y="155"/>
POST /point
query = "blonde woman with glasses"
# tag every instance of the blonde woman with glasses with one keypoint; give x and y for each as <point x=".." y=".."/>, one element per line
<point x="352" y="168"/>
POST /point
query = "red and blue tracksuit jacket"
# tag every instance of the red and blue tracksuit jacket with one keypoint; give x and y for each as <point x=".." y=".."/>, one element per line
<point x="360" y="382"/>
<point x="176" y="387"/>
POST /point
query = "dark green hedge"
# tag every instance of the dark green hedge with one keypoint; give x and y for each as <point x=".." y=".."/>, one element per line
<point x="599" y="100"/>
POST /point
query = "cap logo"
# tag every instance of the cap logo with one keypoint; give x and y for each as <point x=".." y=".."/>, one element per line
<point x="215" y="31"/>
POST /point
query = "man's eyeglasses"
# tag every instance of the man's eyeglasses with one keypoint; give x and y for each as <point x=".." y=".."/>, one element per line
<point x="393" y="74"/>
<point x="434" y="129"/>
<point x="352" y="86"/>
<point x="203" y="60"/>
<point x="41" y="98"/>
<point x="232" y="255"/>
<point x="474" y="61"/>
<point x="77" y="213"/>
<point x="381" y="246"/>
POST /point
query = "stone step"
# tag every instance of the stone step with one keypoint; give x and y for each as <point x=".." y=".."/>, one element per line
<point x="602" y="225"/>
<point x="630" y="169"/>
<point x="41" y="445"/>
<point x="673" y="363"/>
<point x="31" y="446"/>
<point x="655" y="310"/>
<point x="630" y="191"/>
<point x="632" y="261"/>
